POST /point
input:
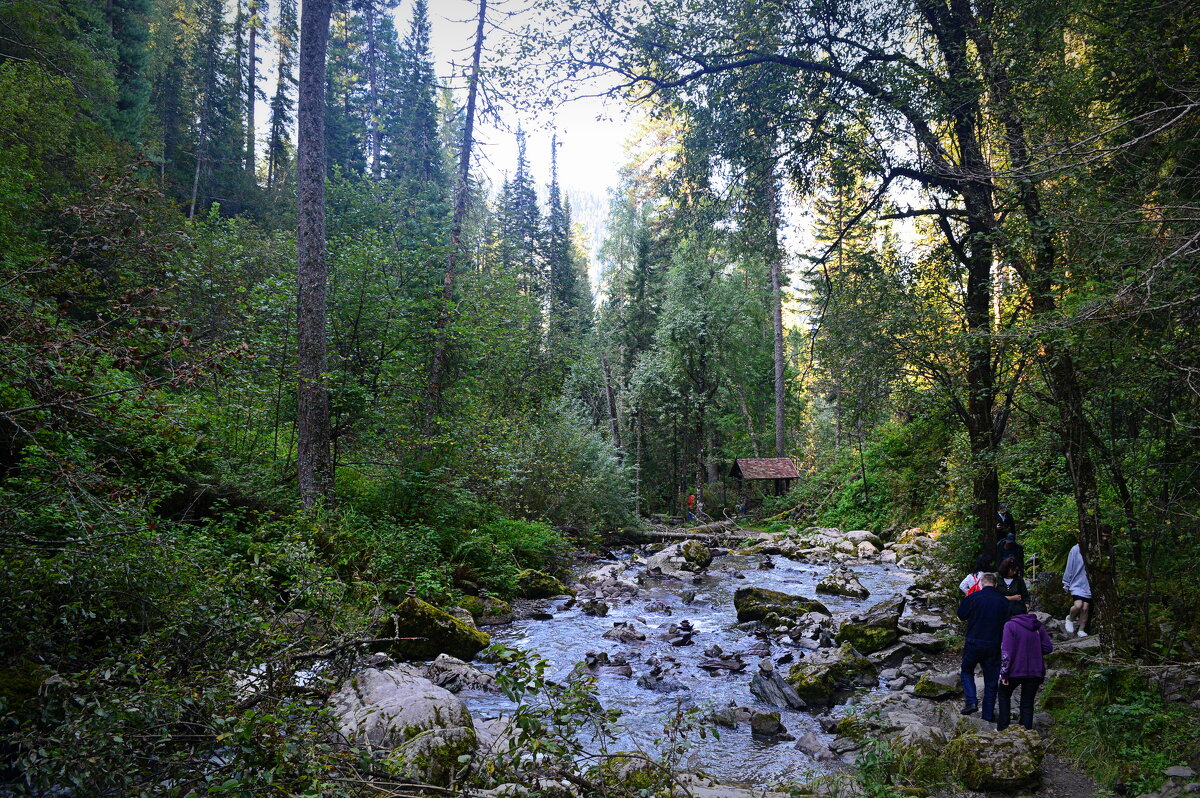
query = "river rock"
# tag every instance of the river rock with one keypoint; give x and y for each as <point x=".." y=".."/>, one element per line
<point x="433" y="632"/>
<point x="842" y="582"/>
<point x="938" y="685"/>
<point x="595" y="608"/>
<point x="811" y="744"/>
<point x="426" y="728"/>
<point x="890" y="656"/>
<point x="997" y="760"/>
<point x="766" y="724"/>
<point x="760" y="604"/>
<point x="875" y="629"/>
<point x="768" y="686"/>
<point x="624" y="632"/>
<point x="533" y="584"/>
<point x="923" y="641"/>
<point x="454" y="675"/>
<point x="829" y="676"/>
<point x="887" y="556"/>
<point x="689" y="556"/>
<point x="867" y="549"/>
<point x="858" y="536"/>
<point x="488" y="610"/>
<point x="924" y="623"/>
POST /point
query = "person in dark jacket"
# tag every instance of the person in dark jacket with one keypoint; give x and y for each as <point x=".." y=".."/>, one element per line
<point x="1013" y="587"/>
<point x="1008" y="547"/>
<point x="1005" y="524"/>
<point x="985" y="612"/>
<point x="1022" y="647"/>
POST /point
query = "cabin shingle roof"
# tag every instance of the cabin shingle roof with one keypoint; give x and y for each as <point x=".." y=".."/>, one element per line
<point x="765" y="468"/>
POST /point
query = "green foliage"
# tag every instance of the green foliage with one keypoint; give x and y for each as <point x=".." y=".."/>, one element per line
<point x="1121" y="729"/>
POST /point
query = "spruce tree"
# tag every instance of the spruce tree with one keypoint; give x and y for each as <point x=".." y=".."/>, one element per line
<point x="283" y="103"/>
<point x="129" y="22"/>
<point x="416" y="152"/>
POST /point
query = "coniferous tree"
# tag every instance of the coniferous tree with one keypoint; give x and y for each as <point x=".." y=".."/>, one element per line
<point x="521" y="226"/>
<point x="283" y="102"/>
<point x="345" y="95"/>
<point x="416" y="152"/>
<point x="256" y="16"/>
<point x="129" y="22"/>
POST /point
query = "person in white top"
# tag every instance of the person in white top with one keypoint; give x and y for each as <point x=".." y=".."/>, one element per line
<point x="970" y="584"/>
<point x="1075" y="582"/>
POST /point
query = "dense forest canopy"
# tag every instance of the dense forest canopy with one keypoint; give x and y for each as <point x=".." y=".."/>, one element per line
<point x="942" y="254"/>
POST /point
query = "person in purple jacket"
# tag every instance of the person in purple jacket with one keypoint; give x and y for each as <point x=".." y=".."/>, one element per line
<point x="1021" y="649"/>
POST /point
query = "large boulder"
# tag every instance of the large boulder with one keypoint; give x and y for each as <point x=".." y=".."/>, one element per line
<point x="857" y="536"/>
<point x="487" y="610"/>
<point x="1071" y="653"/>
<point x="830" y="676"/>
<point x="689" y="556"/>
<point x="1047" y="595"/>
<point x="420" y="631"/>
<point x="842" y="581"/>
<point x="990" y="760"/>
<point x="759" y="604"/>
<point x="425" y="728"/>
<point x="533" y="584"/>
<point x="875" y="629"/>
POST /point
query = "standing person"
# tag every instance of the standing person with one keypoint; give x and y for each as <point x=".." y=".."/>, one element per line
<point x="1008" y="547"/>
<point x="1006" y="525"/>
<point x="1024" y="644"/>
<point x="1075" y="582"/>
<point x="691" y="507"/>
<point x="985" y="612"/>
<point x="1013" y="587"/>
<point x="972" y="582"/>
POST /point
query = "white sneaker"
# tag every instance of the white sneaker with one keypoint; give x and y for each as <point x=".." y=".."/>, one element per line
<point x="1081" y="633"/>
<point x="1070" y="625"/>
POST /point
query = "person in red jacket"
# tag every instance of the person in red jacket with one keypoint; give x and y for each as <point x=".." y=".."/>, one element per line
<point x="1022" y="647"/>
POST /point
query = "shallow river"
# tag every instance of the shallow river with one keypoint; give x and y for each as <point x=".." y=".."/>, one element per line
<point x="736" y="757"/>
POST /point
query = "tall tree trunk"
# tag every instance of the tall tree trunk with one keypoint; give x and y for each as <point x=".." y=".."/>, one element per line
<point x="1075" y="430"/>
<point x="251" y="86"/>
<point x="749" y="420"/>
<point x="611" y="399"/>
<point x="314" y="467"/>
<point x="373" y="87"/>
<point x="437" y="363"/>
<point x="777" y="313"/>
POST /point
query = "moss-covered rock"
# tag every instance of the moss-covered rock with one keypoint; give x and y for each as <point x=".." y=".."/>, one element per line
<point x="757" y="603"/>
<point x="629" y="773"/>
<point x="487" y="610"/>
<point x="534" y="584"/>
<point x="989" y="761"/>
<point x="874" y="630"/>
<point x="938" y="685"/>
<point x="433" y="632"/>
<point x="696" y="554"/>
<point x="828" y="678"/>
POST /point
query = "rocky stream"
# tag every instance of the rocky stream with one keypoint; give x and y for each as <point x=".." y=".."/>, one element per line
<point x="797" y="647"/>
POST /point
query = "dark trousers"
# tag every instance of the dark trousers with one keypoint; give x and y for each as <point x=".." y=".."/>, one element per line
<point x="1029" y="687"/>
<point x="988" y="659"/>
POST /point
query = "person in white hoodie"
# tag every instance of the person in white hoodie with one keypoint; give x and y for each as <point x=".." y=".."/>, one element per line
<point x="1075" y="582"/>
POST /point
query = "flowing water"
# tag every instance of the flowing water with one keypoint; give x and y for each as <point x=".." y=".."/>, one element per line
<point x="736" y="757"/>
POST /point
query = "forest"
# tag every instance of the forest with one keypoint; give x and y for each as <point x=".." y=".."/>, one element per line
<point x="283" y="349"/>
